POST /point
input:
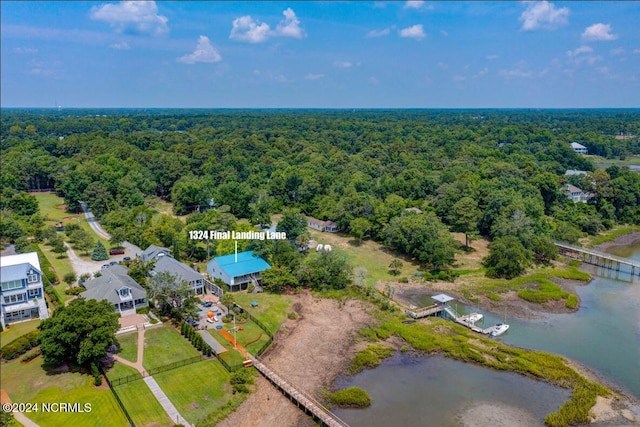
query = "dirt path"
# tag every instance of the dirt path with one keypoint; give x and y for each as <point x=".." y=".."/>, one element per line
<point x="310" y="353"/>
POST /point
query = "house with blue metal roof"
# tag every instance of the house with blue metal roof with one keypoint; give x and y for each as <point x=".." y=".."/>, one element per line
<point x="237" y="270"/>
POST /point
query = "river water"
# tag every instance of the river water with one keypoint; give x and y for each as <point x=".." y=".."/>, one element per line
<point x="604" y="336"/>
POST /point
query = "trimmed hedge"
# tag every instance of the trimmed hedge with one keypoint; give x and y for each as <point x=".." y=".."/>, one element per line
<point x="20" y="345"/>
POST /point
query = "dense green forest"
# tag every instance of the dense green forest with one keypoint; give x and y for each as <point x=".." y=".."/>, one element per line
<point x="495" y="173"/>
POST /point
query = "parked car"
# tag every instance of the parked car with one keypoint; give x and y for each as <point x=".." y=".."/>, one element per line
<point x="207" y="304"/>
<point x="213" y="319"/>
<point x="105" y="266"/>
<point x="192" y="322"/>
<point x="113" y="262"/>
<point x="127" y="258"/>
<point x="116" y="251"/>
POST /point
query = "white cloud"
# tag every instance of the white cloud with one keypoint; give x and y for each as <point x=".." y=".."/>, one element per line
<point x="443" y="65"/>
<point x="580" y="50"/>
<point x="414" y="4"/>
<point x="598" y="32"/>
<point x="120" y="46"/>
<point x="414" y="32"/>
<point x="245" y="29"/>
<point x="379" y="33"/>
<point x="132" y="16"/>
<point x="313" y="76"/>
<point x="582" y="55"/>
<point x="636" y="50"/>
<point x="204" y="53"/>
<point x="374" y="80"/>
<point x="345" y="64"/>
<point x="617" y="51"/>
<point x="481" y="73"/>
<point x="492" y="57"/>
<point x="444" y="33"/>
<point x="542" y="14"/>
<point x="520" y="71"/>
<point x="290" y="25"/>
<point x="25" y="50"/>
<point x="458" y="78"/>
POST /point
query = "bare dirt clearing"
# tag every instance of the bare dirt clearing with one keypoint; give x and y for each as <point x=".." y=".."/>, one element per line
<point x="309" y="352"/>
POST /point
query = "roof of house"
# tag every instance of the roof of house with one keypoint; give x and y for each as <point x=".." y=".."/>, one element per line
<point x="573" y="189"/>
<point x="107" y="285"/>
<point x="247" y="263"/>
<point x="575" y="172"/>
<point x="30" y="257"/>
<point x="576" y="145"/>
<point x="167" y="264"/>
<point x="312" y="220"/>
<point x="152" y="252"/>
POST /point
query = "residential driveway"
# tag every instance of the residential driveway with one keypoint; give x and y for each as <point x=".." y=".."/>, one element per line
<point x="81" y="266"/>
<point x="130" y="249"/>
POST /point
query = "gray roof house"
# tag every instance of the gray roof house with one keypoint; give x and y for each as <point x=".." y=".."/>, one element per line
<point x="124" y="293"/>
<point x="576" y="194"/>
<point x="165" y="263"/>
<point x="579" y="148"/>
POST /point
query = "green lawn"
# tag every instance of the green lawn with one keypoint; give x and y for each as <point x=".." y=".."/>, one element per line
<point x="231" y="356"/>
<point x="119" y="370"/>
<point x="165" y="345"/>
<point x="15" y="330"/>
<point x="197" y="389"/>
<point x="30" y="383"/>
<point x="129" y="346"/>
<point x="49" y="208"/>
<point x="142" y="406"/>
<point x="374" y="257"/>
<point x="271" y="310"/>
<point x="61" y="266"/>
<point x="252" y="337"/>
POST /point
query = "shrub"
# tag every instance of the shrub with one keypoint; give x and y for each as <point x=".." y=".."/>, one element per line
<point x="351" y="397"/>
<point x="572" y="302"/>
<point x="97" y="381"/>
<point x="20" y="345"/>
<point x="494" y="297"/>
<point x="76" y="290"/>
<point x="292" y="315"/>
<point x="31" y="356"/>
<point x="403" y="280"/>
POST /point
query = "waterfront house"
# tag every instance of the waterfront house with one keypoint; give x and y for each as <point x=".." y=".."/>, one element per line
<point x="238" y="270"/>
<point x="576" y="194"/>
<point x="115" y="285"/>
<point x="579" y="148"/>
<point x="22" y="292"/>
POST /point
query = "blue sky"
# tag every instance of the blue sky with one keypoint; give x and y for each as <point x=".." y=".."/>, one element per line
<point x="396" y="54"/>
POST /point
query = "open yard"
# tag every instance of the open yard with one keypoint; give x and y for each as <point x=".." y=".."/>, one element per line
<point x="165" y="345"/>
<point x="129" y="346"/>
<point x="197" y="389"/>
<point x="271" y="310"/>
<point x="142" y="406"/>
<point x="374" y="257"/>
<point x="15" y="330"/>
<point x="52" y="208"/>
<point x="232" y="357"/>
<point x="30" y="383"/>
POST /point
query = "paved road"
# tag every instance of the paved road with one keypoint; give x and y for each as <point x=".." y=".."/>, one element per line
<point x="130" y="249"/>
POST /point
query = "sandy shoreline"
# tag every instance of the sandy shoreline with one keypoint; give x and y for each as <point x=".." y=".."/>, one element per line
<point x="624" y="240"/>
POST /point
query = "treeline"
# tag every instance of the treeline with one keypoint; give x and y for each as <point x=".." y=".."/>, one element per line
<point x="378" y="174"/>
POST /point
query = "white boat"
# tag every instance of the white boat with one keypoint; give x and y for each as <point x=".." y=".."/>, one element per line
<point x="498" y="329"/>
<point x="471" y="318"/>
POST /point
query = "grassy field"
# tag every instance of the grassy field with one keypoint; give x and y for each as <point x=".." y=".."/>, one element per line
<point x="251" y="336"/>
<point x="142" y="406"/>
<point x="271" y="310"/>
<point x="231" y="356"/>
<point x="629" y="161"/>
<point x="30" y="383"/>
<point x="374" y="257"/>
<point x="51" y="208"/>
<point x="609" y="235"/>
<point x="16" y="330"/>
<point x="119" y="370"/>
<point x="197" y="389"/>
<point x="129" y="346"/>
<point x="165" y="345"/>
<point x="61" y="267"/>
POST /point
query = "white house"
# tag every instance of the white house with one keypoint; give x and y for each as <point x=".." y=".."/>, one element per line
<point x="579" y="148"/>
<point x="576" y="194"/>
<point x="22" y="294"/>
<point x="327" y="226"/>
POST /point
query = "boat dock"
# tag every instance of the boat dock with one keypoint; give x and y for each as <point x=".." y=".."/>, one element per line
<point x="302" y="400"/>
<point x="442" y="306"/>
<point x="598" y="258"/>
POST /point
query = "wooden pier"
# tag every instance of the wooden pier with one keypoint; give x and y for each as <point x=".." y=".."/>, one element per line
<point x="302" y="400"/>
<point x="419" y="313"/>
<point x="597" y="258"/>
